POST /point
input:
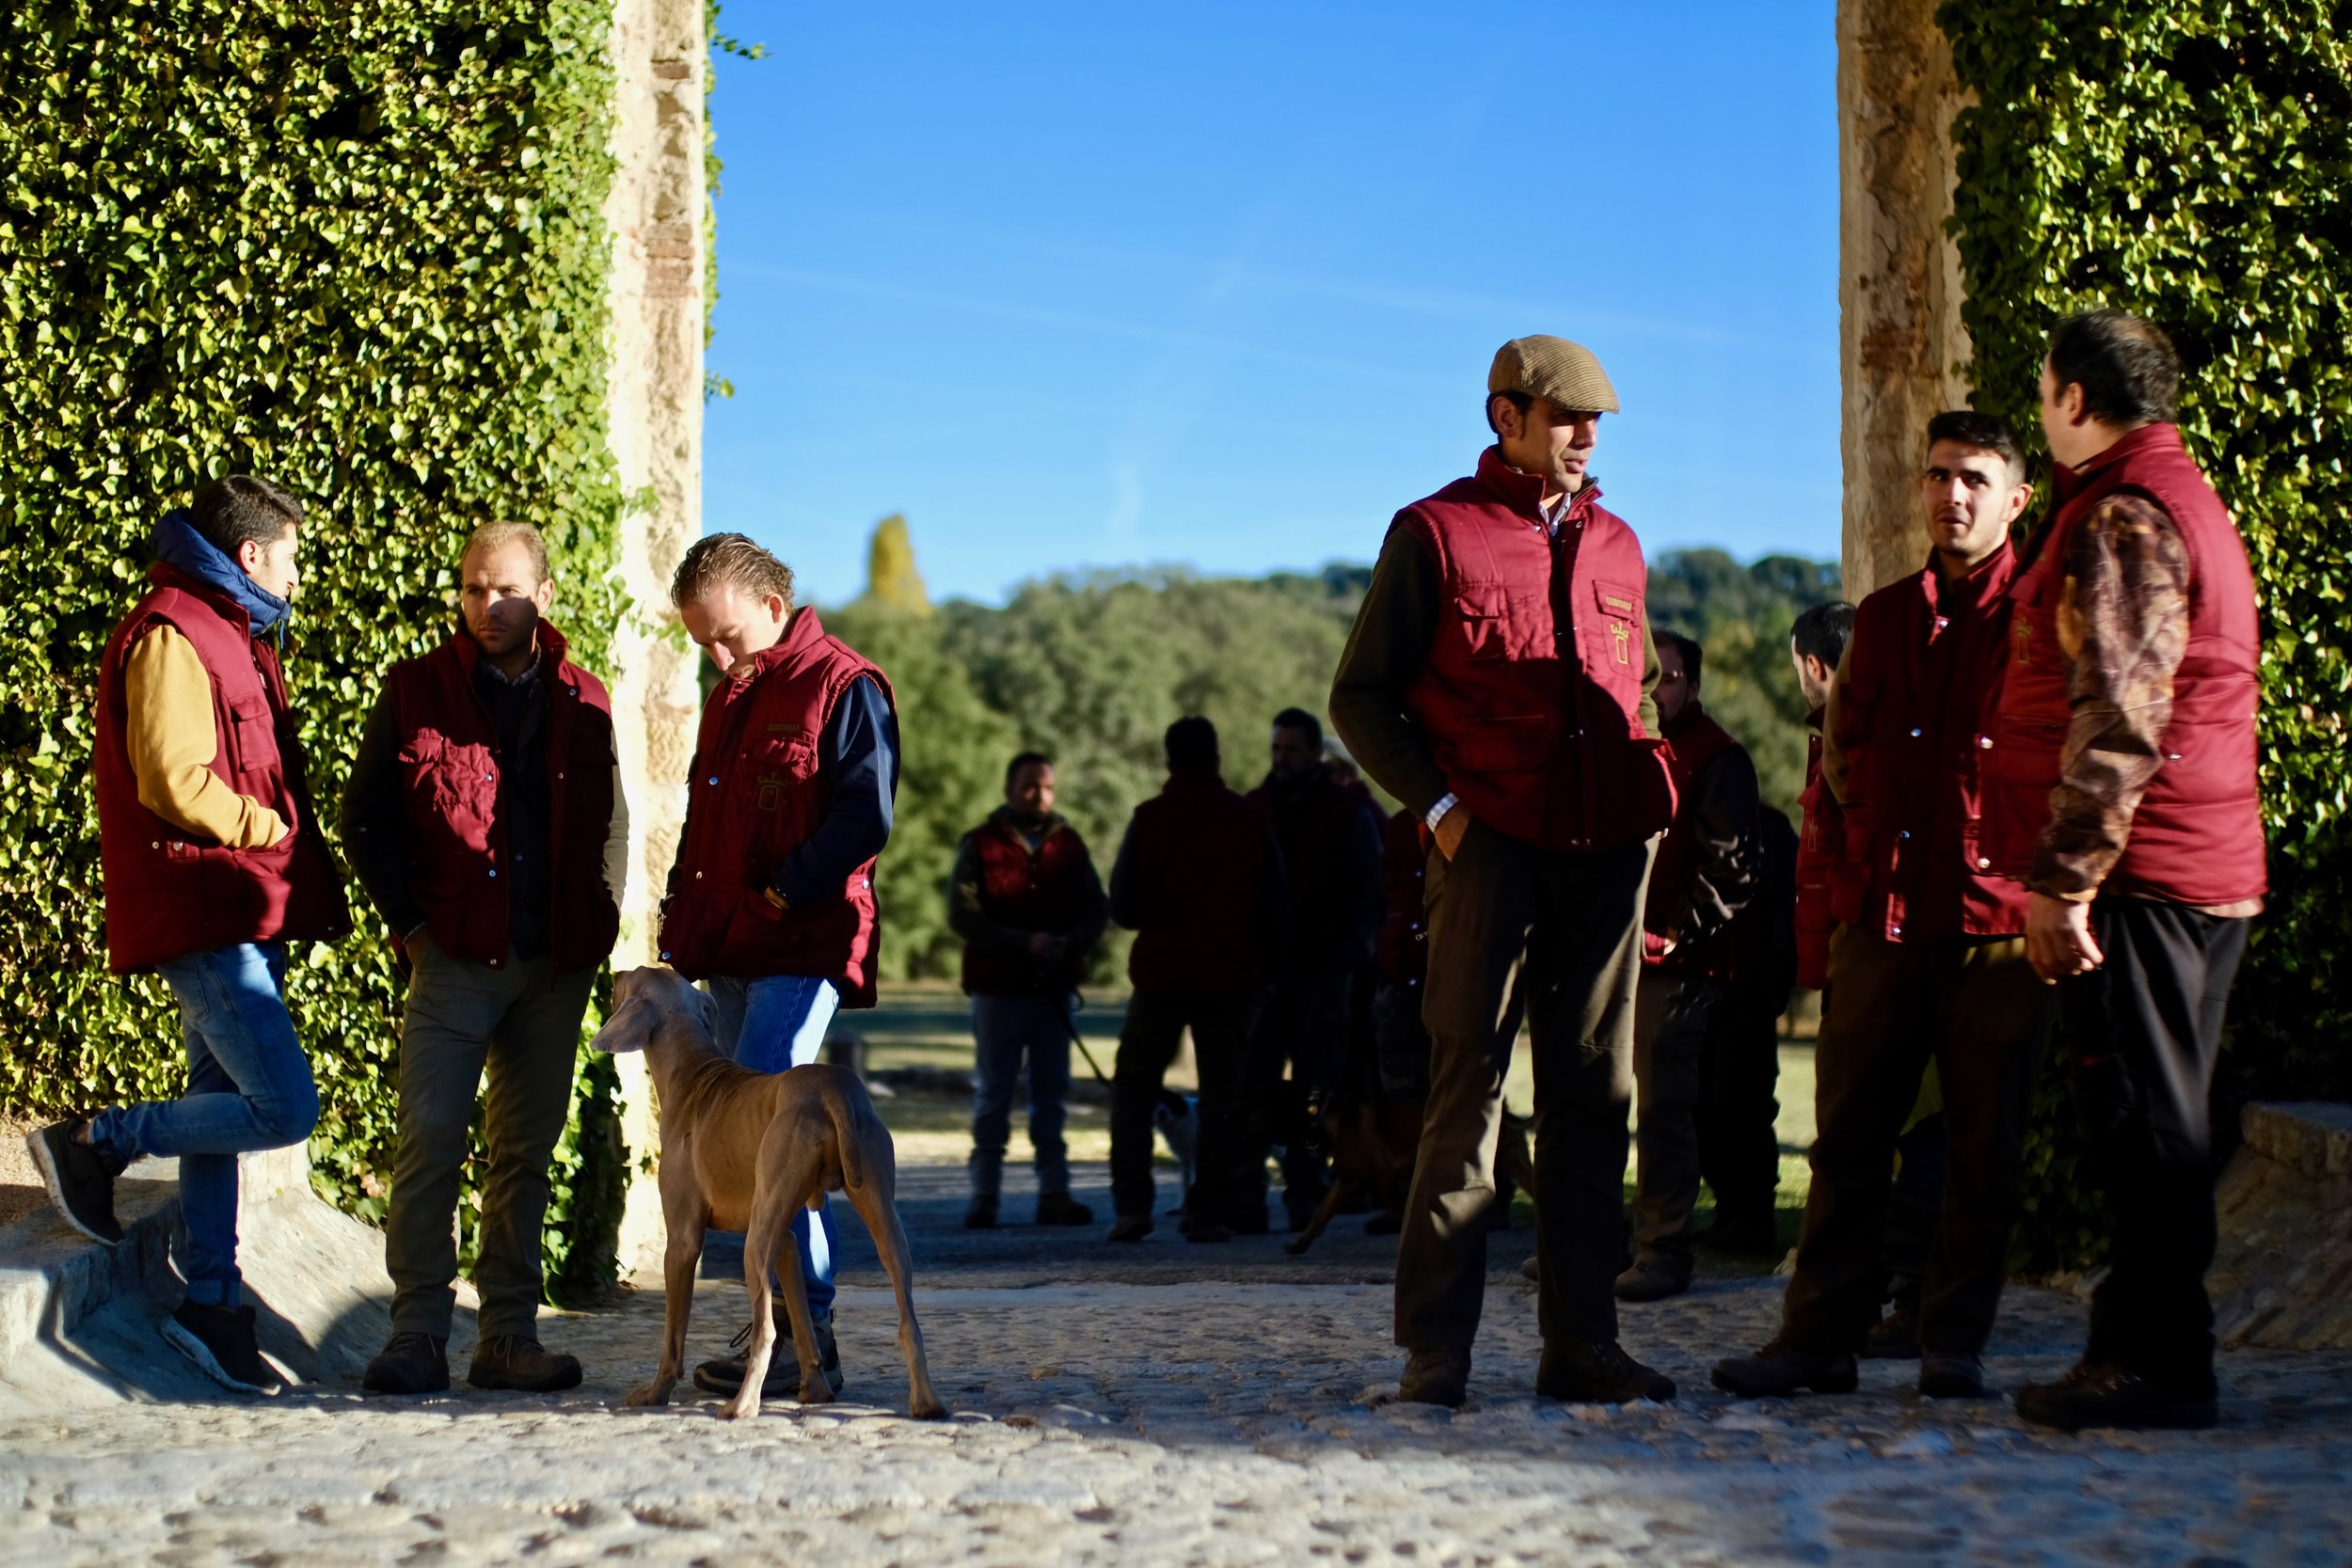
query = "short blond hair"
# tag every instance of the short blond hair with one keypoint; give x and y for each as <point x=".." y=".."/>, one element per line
<point x="729" y="561"/>
<point x="497" y="537"/>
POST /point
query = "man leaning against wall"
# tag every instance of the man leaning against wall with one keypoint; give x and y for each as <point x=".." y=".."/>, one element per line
<point x="484" y="815"/>
<point x="213" y="865"/>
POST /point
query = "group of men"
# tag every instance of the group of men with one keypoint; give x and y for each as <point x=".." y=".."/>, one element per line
<point x="483" y="817"/>
<point x="2035" y="768"/>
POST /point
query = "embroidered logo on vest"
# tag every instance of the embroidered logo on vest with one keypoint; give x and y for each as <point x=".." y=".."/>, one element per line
<point x="1622" y="635"/>
<point x="2021" y="633"/>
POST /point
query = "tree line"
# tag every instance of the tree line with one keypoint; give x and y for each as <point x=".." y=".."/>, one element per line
<point x="1090" y="668"/>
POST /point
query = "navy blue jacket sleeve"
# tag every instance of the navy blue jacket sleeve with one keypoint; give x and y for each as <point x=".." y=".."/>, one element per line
<point x="858" y="752"/>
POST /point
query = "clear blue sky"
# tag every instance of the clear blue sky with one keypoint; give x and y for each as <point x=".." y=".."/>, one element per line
<point x="1218" y="284"/>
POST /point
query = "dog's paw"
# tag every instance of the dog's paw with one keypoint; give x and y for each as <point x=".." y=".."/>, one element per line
<point x="1296" y="1244"/>
<point x="744" y="1405"/>
<point x="816" y="1390"/>
<point x="647" y="1393"/>
<point x="930" y="1410"/>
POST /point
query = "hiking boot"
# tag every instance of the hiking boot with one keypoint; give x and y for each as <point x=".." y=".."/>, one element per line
<point x="2102" y="1394"/>
<point x="1651" y="1282"/>
<point x="409" y="1364"/>
<point x="1951" y="1375"/>
<point x="1435" y="1377"/>
<point x="219" y="1340"/>
<point x="1061" y="1209"/>
<point x="520" y="1363"/>
<point x="1129" y="1227"/>
<point x="80" y="1178"/>
<point x="1895" y="1337"/>
<point x="1599" y="1374"/>
<point x="1779" y="1369"/>
<point x="724" y="1374"/>
<point x="1207" y="1231"/>
<point x="981" y="1216"/>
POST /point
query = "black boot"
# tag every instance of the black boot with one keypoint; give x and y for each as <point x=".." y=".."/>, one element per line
<point x="1779" y="1369"/>
<point x="1599" y="1374"/>
<point x="2102" y="1394"/>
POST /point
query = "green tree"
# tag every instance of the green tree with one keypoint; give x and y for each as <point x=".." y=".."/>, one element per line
<point x="892" y="582"/>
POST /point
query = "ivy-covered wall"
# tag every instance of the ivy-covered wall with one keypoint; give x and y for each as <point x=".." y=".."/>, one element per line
<point x="2193" y="162"/>
<point x="354" y="246"/>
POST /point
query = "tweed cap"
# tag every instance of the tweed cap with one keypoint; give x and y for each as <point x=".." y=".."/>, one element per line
<point x="1562" y="373"/>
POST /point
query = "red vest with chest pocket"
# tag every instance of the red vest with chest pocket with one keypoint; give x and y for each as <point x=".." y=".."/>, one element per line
<point x="1030" y="890"/>
<point x="2196" y="836"/>
<point x="756" y="794"/>
<point x="451" y="829"/>
<point x="1531" y="694"/>
<point x="1913" y="721"/>
<point x="169" y="894"/>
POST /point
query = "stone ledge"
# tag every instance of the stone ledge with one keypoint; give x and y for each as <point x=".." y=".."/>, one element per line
<point x="2282" y="1272"/>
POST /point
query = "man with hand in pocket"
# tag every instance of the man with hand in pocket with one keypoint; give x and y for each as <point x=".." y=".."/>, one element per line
<point x="485" y="819"/>
<point x="771" y="897"/>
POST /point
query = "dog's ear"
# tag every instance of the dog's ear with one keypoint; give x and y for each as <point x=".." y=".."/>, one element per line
<point x="630" y="1028"/>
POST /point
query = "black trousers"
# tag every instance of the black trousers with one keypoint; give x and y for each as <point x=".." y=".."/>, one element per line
<point x="1911" y="1217"/>
<point x="1976" y="1008"/>
<point x="1739" y="1070"/>
<point x="1148" y="1042"/>
<point x="1302" y="1024"/>
<point x="2143" y="1031"/>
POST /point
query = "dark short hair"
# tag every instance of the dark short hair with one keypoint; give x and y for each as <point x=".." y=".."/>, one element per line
<point x="1027" y="759"/>
<point x="1966" y="427"/>
<point x="227" y="511"/>
<point x="1822" y="630"/>
<point x="2124" y="364"/>
<point x="1299" y="718"/>
<point x="1192" y="743"/>
<point x="1694" y="656"/>
<point x="1521" y="401"/>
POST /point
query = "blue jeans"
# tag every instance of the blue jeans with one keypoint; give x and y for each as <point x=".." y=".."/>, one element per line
<point x="768" y="1025"/>
<point x="250" y="1089"/>
<point x="1005" y="1029"/>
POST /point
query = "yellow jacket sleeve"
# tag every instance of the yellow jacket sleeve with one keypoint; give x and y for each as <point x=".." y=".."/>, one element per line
<point x="172" y="742"/>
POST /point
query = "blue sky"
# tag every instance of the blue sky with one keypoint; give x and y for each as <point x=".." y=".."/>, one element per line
<point x="1217" y="285"/>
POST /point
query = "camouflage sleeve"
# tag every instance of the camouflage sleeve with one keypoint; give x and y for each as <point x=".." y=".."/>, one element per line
<point x="2123" y="626"/>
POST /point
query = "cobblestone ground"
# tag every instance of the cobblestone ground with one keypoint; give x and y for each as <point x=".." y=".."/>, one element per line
<point x="1178" y="1404"/>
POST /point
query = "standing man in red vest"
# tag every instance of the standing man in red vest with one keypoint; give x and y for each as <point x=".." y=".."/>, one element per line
<point x="1498" y="682"/>
<point x="772" y="900"/>
<point x="484" y="815"/>
<point x="2124" y="795"/>
<point x="1025" y="898"/>
<point x="1707" y="873"/>
<point x="1200" y="882"/>
<point x="1933" y="968"/>
<point x="213" y="864"/>
<point x="1816" y="642"/>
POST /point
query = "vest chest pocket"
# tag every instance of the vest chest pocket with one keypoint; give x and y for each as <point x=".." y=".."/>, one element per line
<point x="1485" y="615"/>
<point x="1617" y="627"/>
<point x="252" y="736"/>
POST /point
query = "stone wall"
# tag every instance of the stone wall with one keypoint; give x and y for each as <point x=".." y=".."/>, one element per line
<point x="1902" y="347"/>
<point x="2282" y="1274"/>
<point x="656" y="406"/>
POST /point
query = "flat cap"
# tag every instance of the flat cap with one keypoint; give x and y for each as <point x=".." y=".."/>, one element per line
<point x="1562" y="373"/>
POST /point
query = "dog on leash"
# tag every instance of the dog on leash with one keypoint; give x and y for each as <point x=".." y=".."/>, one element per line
<point x="743" y="1151"/>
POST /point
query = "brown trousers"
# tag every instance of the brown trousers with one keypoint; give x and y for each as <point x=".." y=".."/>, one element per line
<point x="1562" y="934"/>
<point x="522" y="1021"/>
<point x="1975" y="1006"/>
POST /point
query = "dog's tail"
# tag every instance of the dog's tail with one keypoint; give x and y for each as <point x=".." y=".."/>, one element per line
<point x="849" y="1106"/>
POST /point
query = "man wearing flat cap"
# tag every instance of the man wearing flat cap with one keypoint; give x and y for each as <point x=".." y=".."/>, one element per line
<point x="1498" y="682"/>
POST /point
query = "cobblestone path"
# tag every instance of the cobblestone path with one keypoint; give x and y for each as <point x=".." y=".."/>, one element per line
<point x="1177" y="1404"/>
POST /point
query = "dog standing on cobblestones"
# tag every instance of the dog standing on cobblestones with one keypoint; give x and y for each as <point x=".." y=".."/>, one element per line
<point x="743" y="1151"/>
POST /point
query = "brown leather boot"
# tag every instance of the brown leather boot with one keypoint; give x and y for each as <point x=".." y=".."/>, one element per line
<point x="518" y="1362"/>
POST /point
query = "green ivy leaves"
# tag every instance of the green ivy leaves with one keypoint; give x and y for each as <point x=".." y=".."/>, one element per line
<point x="358" y="247"/>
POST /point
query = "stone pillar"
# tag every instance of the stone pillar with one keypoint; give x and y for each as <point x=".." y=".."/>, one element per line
<point x="655" y="405"/>
<point x="1904" y="350"/>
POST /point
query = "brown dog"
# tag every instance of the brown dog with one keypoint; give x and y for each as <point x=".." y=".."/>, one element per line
<point x="743" y="1151"/>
